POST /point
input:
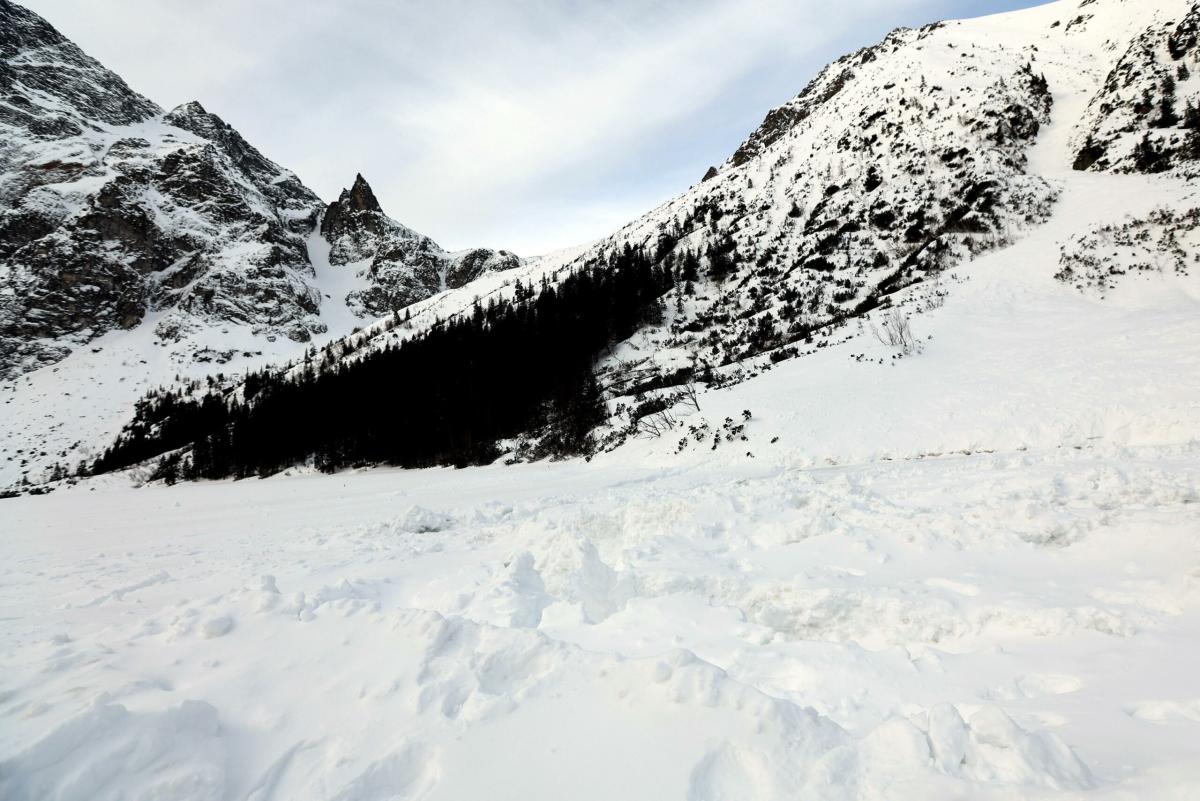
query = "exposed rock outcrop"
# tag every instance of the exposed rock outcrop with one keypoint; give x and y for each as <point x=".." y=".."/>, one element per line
<point x="400" y="265"/>
<point x="1146" y="117"/>
<point x="110" y="209"/>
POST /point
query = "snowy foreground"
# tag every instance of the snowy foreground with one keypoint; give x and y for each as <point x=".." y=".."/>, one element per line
<point x="973" y="573"/>
<point x="1007" y="625"/>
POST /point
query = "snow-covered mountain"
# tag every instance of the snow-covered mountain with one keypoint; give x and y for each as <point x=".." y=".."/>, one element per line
<point x="137" y="245"/>
<point x="400" y="266"/>
<point x="856" y="200"/>
<point x="112" y="210"/>
<point x="902" y="161"/>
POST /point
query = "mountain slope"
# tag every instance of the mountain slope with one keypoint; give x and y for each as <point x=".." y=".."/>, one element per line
<point x="112" y="210"/>
<point x="137" y="246"/>
<point x="1146" y="118"/>
<point x="967" y="572"/>
<point x="896" y="164"/>
<point x="930" y="135"/>
<point x="401" y="266"/>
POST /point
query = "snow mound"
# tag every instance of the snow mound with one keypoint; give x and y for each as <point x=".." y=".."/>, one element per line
<point x="989" y="748"/>
<point x="108" y="753"/>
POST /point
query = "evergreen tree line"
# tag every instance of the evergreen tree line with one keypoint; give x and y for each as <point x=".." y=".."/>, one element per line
<point x="444" y="397"/>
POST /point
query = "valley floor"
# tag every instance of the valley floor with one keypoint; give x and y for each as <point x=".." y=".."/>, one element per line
<point x="1020" y="624"/>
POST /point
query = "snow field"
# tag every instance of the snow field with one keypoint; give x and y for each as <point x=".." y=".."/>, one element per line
<point x="999" y="625"/>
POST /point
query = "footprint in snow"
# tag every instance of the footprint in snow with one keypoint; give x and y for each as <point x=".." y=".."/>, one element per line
<point x="216" y="627"/>
<point x="1037" y="685"/>
<point x="957" y="587"/>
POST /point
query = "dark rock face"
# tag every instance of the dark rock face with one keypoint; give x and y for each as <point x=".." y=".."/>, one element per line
<point x="400" y="265"/>
<point x="340" y="216"/>
<point x="471" y="264"/>
<point x="1143" y="119"/>
<point x="110" y="209"/>
<point x="35" y="58"/>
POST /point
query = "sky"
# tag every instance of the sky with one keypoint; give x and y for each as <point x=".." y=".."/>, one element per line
<point x="529" y="125"/>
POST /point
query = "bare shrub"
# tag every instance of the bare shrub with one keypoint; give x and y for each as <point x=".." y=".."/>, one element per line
<point x="689" y="395"/>
<point x="653" y="426"/>
<point x="895" y="331"/>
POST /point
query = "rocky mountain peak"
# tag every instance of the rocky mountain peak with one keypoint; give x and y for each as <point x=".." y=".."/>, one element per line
<point x="186" y="111"/>
<point x="400" y="265"/>
<point x="360" y="197"/>
<point x="356" y="200"/>
<point x="299" y="205"/>
<point x="357" y="215"/>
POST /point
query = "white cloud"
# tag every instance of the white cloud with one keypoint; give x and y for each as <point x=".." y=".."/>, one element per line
<point x="528" y="124"/>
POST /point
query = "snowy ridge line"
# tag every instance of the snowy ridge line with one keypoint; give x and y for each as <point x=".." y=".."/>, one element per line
<point x="894" y="41"/>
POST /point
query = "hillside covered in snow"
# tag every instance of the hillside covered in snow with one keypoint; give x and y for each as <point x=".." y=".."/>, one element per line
<point x="850" y="210"/>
